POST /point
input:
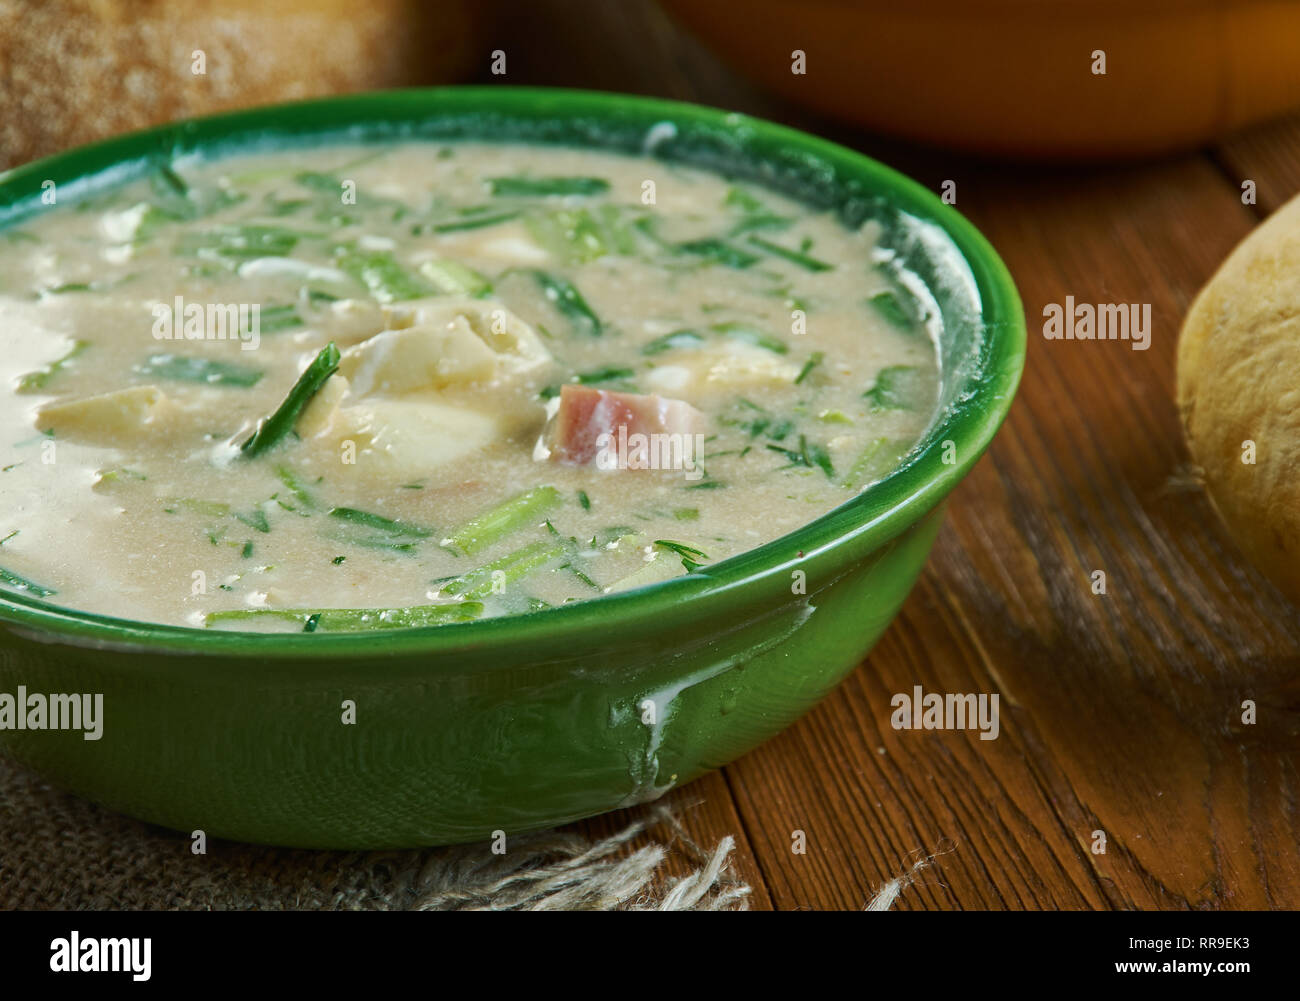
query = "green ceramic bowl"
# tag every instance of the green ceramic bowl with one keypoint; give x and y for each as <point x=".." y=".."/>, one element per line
<point x="517" y="723"/>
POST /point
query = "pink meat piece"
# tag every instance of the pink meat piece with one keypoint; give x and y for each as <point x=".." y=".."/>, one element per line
<point x="585" y="414"/>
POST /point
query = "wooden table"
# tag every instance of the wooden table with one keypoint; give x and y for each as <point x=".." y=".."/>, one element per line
<point x="1121" y="712"/>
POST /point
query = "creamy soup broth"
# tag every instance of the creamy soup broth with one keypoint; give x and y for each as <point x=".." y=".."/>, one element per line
<point x="456" y="329"/>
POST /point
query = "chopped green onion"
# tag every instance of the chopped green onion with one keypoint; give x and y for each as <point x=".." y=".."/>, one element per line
<point x="385" y="533"/>
<point x="390" y="525"/>
<point x="877" y="459"/>
<point x="755" y="215"/>
<point x="381" y="273"/>
<point x="241" y="241"/>
<point x="454" y="278"/>
<point x="21" y="583"/>
<point x="541" y="187"/>
<point x="481" y="582"/>
<point x="295" y="487"/>
<point x="273" y="319"/>
<point x="274" y="428"/>
<point x="175" y="200"/>
<point x="808" y="454"/>
<point x="610" y="373"/>
<point x="899" y="387"/>
<point x="203" y="370"/>
<point x="326" y="184"/>
<point x="756" y="421"/>
<point x="670" y="342"/>
<point x="608" y="536"/>
<point x="255" y="519"/>
<point x="720" y="252"/>
<point x="522" y="509"/>
<point x="813" y="361"/>
<point x="562" y="294"/>
<point x="576" y="236"/>
<point x="760" y="221"/>
<point x="739" y="198"/>
<point x="351" y="620"/>
<point x="793" y="256"/>
<point x="573" y="562"/>
<point x="896" y="310"/>
<point x="283" y="207"/>
<point x="750" y="334"/>
<point x="573" y="236"/>
<point x="691" y="557"/>
<point x="171" y="181"/>
<point x="33" y="381"/>
<point x="474" y="222"/>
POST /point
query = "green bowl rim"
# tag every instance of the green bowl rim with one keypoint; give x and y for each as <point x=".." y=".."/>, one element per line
<point x="872" y="517"/>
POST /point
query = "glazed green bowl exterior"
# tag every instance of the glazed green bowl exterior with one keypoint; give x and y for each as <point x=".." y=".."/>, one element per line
<point x="515" y="723"/>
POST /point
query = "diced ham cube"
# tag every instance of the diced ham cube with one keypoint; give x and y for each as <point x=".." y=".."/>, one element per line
<point x="597" y="424"/>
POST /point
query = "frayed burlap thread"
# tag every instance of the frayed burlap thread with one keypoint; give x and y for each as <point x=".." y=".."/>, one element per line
<point x="61" y="852"/>
<point x="888" y="894"/>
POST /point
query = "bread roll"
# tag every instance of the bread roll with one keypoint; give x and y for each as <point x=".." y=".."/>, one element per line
<point x="72" y="71"/>
<point x="1239" y="394"/>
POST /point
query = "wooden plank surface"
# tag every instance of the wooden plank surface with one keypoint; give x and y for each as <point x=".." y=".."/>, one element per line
<point x="1121" y="712"/>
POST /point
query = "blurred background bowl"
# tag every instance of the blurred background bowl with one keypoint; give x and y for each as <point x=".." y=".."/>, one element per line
<point x="1015" y="77"/>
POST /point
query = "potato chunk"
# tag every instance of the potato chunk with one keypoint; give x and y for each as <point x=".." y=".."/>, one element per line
<point x="351" y="320"/>
<point x="320" y="414"/>
<point x="422" y="357"/>
<point x="409" y="438"/>
<point x="735" y="367"/>
<point x="440" y="343"/>
<point x="107" y="418"/>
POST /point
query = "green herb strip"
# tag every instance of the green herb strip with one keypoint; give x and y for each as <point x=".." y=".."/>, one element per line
<point x="808" y="454"/>
<point x="719" y="252"/>
<point x="793" y="256"/>
<point x="383" y="275"/>
<point x="34" y="381"/>
<point x="481" y="582"/>
<point x="671" y="342"/>
<point x="899" y="387"/>
<point x="276" y="427"/>
<point x="391" y="526"/>
<point x="813" y="361"/>
<point x="566" y="298"/>
<point x="21" y="583"/>
<point x="351" y="620"/>
<point x="692" y="559"/>
<point x="479" y="533"/>
<point x="201" y="370"/>
<point x="542" y="187"/>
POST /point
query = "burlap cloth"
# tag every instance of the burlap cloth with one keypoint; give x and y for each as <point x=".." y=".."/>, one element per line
<point x="60" y="852"/>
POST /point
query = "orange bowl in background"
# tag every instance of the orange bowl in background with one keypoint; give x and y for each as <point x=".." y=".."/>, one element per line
<point x="1015" y="77"/>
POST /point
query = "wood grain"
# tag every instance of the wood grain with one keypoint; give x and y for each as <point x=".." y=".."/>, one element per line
<point x="1121" y="712"/>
